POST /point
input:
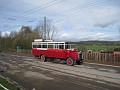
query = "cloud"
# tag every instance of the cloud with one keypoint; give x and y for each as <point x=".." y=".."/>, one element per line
<point x="105" y="23"/>
<point x="106" y="11"/>
<point x="97" y="36"/>
<point x="106" y="16"/>
<point x="80" y="27"/>
<point x="65" y="35"/>
<point x="4" y="33"/>
<point x="86" y="35"/>
<point x="100" y="35"/>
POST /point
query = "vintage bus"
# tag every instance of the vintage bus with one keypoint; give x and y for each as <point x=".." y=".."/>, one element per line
<point x="56" y="50"/>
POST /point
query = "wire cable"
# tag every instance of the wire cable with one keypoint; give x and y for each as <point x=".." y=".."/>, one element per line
<point x="38" y="8"/>
<point x="81" y="7"/>
<point x="33" y="10"/>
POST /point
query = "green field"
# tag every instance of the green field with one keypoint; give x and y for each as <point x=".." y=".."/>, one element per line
<point x="7" y="85"/>
<point x="97" y="48"/>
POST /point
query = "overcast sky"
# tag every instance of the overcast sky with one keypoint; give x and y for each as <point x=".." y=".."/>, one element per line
<point x="76" y="20"/>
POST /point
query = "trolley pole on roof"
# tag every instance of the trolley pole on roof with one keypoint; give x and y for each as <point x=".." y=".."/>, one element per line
<point x="44" y="28"/>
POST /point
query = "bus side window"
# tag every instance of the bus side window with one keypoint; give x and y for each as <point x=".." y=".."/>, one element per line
<point x="45" y="45"/>
<point x="39" y="46"/>
<point x="50" y="45"/>
<point x="34" y="46"/>
<point x="66" y="46"/>
<point x="61" y="46"/>
<point x="56" y="45"/>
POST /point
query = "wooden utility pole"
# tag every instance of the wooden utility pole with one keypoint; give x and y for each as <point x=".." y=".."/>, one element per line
<point x="44" y="28"/>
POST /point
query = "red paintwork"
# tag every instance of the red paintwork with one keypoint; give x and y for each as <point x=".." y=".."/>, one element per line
<point x="56" y="53"/>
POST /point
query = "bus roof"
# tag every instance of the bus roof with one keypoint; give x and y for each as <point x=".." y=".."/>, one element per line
<point x="48" y="42"/>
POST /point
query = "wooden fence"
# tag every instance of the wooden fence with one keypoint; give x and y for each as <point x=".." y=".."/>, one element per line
<point x="26" y="51"/>
<point x="101" y="57"/>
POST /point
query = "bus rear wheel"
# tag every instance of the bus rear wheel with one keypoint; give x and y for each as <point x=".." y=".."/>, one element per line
<point x="42" y="57"/>
<point x="70" y="61"/>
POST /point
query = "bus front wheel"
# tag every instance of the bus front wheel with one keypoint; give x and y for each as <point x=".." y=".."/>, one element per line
<point x="70" y="61"/>
<point x="42" y="57"/>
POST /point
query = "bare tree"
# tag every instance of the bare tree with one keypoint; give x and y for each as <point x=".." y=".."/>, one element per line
<point x="39" y="30"/>
<point x="49" y="33"/>
<point x="13" y="34"/>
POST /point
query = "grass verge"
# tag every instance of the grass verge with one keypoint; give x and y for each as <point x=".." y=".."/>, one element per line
<point x="6" y="84"/>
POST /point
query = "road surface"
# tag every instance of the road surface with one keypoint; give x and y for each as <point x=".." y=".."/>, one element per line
<point x="32" y="74"/>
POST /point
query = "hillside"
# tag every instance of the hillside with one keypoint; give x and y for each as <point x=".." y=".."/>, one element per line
<point x="101" y="43"/>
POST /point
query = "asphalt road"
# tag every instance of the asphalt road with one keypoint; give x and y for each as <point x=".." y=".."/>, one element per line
<point x="32" y="74"/>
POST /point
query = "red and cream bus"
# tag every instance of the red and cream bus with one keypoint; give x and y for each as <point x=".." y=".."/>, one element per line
<point x="56" y="50"/>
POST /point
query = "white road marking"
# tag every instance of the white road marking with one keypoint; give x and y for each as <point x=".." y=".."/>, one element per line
<point x="3" y="87"/>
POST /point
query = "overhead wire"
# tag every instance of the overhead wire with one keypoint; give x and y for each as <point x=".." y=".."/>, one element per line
<point x="88" y="7"/>
<point x="92" y="4"/>
<point x="38" y="8"/>
<point x="33" y="10"/>
<point x="81" y="7"/>
<point x="68" y="11"/>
